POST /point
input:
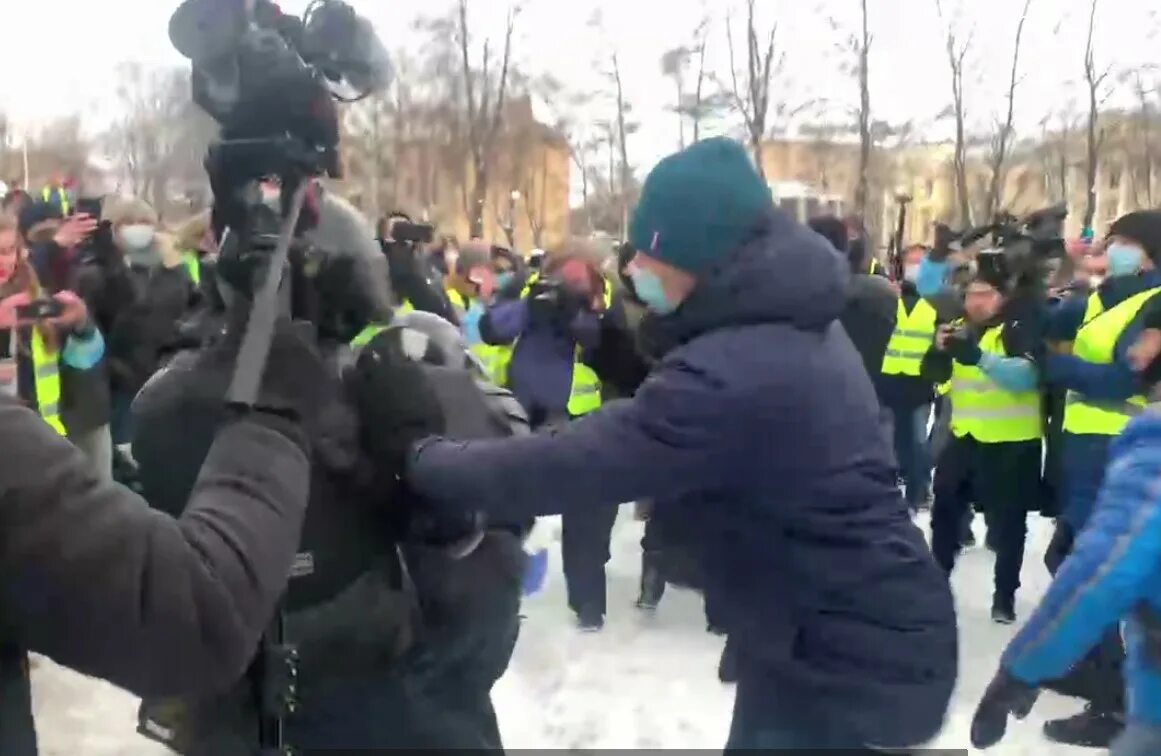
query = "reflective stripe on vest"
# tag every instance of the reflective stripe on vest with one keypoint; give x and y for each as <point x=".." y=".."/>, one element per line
<point x="193" y="267"/>
<point x="46" y="374"/>
<point x="911" y="339"/>
<point x="985" y="411"/>
<point x="46" y="195"/>
<point x="1095" y="343"/>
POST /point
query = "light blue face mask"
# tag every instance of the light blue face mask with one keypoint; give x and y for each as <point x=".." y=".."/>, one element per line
<point x="503" y="279"/>
<point x="1124" y="259"/>
<point x="650" y="291"/>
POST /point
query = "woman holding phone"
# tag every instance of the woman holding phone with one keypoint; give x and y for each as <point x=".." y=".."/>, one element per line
<point x="39" y="333"/>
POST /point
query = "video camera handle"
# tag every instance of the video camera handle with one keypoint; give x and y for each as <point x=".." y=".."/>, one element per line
<point x="255" y="349"/>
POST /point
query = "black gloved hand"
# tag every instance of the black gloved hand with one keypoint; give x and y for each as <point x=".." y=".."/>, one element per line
<point x="295" y="382"/>
<point x="1005" y="696"/>
<point x="963" y="349"/>
<point x="395" y="400"/>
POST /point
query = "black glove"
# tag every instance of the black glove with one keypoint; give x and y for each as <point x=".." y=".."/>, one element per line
<point x="295" y="382"/>
<point x="395" y="401"/>
<point x="1005" y="696"/>
<point x="963" y="349"/>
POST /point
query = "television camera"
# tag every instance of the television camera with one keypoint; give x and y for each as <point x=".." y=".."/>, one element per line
<point x="1021" y="248"/>
<point x="271" y="81"/>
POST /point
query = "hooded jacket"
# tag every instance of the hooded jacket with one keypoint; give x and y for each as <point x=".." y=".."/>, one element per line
<point x="761" y="423"/>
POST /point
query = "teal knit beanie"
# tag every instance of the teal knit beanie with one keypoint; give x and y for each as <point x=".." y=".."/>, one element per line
<point x="699" y="204"/>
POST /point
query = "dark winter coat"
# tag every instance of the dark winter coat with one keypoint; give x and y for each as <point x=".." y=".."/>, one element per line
<point x="143" y="309"/>
<point x="761" y="419"/>
<point x="869" y="318"/>
<point x="95" y="579"/>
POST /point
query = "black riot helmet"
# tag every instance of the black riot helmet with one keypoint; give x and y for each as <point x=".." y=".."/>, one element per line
<point x="339" y="276"/>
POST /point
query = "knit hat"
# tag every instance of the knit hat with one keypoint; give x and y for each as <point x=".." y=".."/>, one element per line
<point x="699" y="204"/>
<point x="1143" y="227"/>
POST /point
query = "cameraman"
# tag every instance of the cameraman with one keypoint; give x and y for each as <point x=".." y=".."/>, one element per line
<point x="397" y="645"/>
<point x="552" y="333"/>
<point x="1090" y="339"/>
<point x="996" y="421"/>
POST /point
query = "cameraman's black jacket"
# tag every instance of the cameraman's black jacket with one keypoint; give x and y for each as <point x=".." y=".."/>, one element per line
<point x="347" y="609"/>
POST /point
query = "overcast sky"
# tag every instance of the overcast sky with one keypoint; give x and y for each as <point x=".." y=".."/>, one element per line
<point x="63" y="52"/>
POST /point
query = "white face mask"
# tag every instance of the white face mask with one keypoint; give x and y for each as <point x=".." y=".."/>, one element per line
<point x="137" y="236"/>
<point x="911" y="272"/>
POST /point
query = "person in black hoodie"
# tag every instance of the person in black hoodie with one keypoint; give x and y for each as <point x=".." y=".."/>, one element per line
<point x="869" y="315"/>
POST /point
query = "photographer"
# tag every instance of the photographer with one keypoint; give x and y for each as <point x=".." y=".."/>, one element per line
<point x="44" y="356"/>
<point x="94" y="579"/>
<point x="552" y="333"/>
<point x="996" y="422"/>
<point x="1090" y="338"/>
<point x="416" y="283"/>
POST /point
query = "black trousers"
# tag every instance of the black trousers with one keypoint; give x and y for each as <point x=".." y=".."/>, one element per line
<point x="1005" y="479"/>
<point x="584" y="549"/>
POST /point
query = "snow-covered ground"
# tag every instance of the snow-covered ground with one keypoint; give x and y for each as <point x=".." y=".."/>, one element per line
<point x="644" y="682"/>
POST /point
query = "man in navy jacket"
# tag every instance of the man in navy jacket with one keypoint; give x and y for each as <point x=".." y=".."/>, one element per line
<point x="759" y="423"/>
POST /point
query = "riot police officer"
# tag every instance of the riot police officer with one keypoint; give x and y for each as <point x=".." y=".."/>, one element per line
<point x="375" y="641"/>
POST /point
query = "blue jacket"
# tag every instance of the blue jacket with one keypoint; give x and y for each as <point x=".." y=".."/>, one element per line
<point x="760" y="418"/>
<point x="1112" y="570"/>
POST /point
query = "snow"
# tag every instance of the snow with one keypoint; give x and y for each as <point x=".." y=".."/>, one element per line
<point x="643" y="682"/>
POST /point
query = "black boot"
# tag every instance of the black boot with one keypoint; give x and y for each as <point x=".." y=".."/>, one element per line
<point x="1091" y="728"/>
<point x="1004" y="610"/>
<point x="728" y="666"/>
<point x="652" y="583"/>
<point x="590" y="619"/>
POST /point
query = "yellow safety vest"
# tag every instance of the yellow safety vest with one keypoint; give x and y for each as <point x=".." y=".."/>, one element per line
<point x="585" y="393"/>
<point x="985" y="411"/>
<point x="46" y="195"/>
<point x="491" y="357"/>
<point x="46" y="374"/>
<point x="193" y="267"/>
<point x="1094" y="307"/>
<point x="911" y="339"/>
<point x="873" y="267"/>
<point x="1095" y="343"/>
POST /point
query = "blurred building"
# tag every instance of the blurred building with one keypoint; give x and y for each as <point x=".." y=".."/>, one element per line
<point x="431" y="177"/>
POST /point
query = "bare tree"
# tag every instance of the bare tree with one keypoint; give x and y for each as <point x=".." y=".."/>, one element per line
<point x="957" y="52"/>
<point x="160" y="136"/>
<point x="863" y="48"/>
<point x="624" y="128"/>
<point x="673" y="64"/>
<point x="1147" y="157"/>
<point x="700" y="106"/>
<point x="485" y="96"/>
<point x="1094" y="138"/>
<point x="1001" y="141"/>
<point x="751" y="91"/>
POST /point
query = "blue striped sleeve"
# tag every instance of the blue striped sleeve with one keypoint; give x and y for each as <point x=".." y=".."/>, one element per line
<point x="1010" y="373"/>
<point x="84" y="353"/>
<point x="1112" y="565"/>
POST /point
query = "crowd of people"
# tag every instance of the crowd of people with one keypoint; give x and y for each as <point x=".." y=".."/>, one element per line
<point x="779" y="403"/>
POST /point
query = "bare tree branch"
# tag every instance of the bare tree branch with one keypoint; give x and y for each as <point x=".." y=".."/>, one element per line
<point x="1003" y="138"/>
